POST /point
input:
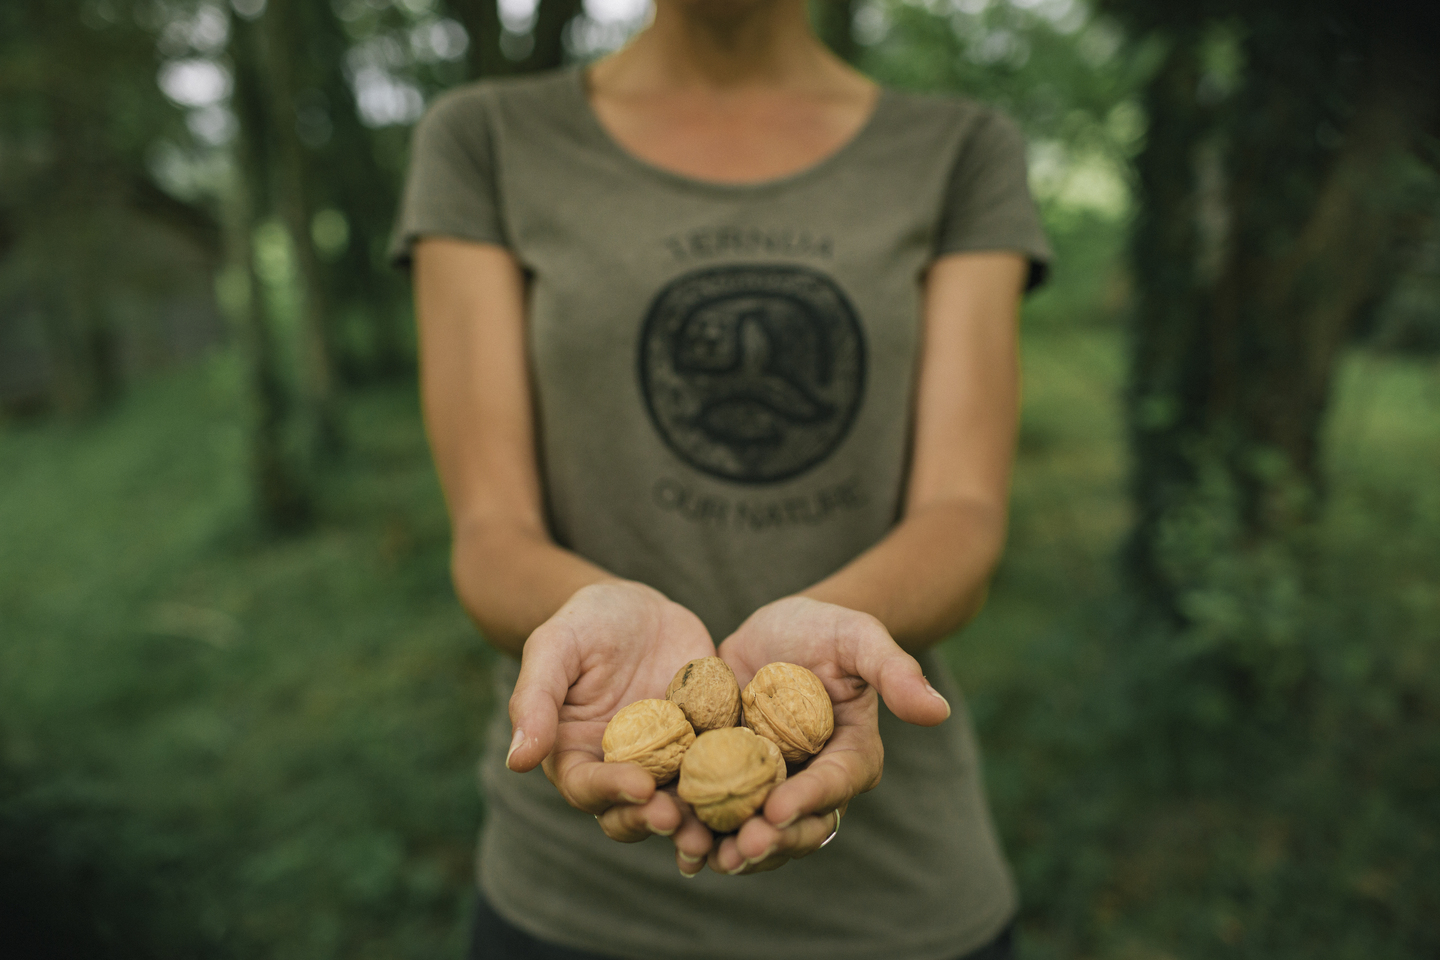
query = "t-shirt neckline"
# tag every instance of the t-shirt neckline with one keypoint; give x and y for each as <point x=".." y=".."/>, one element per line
<point x="597" y="131"/>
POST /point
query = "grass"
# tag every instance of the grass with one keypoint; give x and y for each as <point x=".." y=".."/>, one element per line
<point x="1142" y="829"/>
<point x="284" y="731"/>
<point x="217" y="744"/>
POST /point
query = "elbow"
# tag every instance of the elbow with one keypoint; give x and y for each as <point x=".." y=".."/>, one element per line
<point x="982" y="535"/>
<point x="990" y="550"/>
<point x="462" y="578"/>
<point x="475" y="582"/>
<point x="466" y="578"/>
<point x="990" y="535"/>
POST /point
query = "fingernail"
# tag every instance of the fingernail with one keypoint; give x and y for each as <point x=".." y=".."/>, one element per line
<point x="743" y="865"/>
<point x="689" y="859"/>
<point x="629" y="799"/>
<point x="656" y="830"/>
<point x="936" y="694"/>
<point x="689" y="876"/>
<point x="788" y="823"/>
<point x="515" y="743"/>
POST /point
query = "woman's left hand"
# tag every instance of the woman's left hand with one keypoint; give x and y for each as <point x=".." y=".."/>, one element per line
<point x="854" y="656"/>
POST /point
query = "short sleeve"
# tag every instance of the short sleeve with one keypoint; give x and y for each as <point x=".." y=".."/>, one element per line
<point x="450" y="187"/>
<point x="987" y="201"/>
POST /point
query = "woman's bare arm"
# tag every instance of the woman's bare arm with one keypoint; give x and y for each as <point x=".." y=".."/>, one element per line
<point x="930" y="574"/>
<point x="588" y="642"/>
<point x="920" y="582"/>
<point x="508" y="573"/>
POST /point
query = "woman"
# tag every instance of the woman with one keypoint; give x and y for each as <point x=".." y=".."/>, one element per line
<point x="718" y="345"/>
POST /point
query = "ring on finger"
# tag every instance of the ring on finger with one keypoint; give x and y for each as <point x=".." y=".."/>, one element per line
<point x="833" y="831"/>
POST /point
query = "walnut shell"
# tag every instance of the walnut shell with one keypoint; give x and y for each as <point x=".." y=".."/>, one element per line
<point x="706" y="689"/>
<point x="773" y="752"/>
<point x="652" y="733"/>
<point x="727" y="775"/>
<point x="788" y="704"/>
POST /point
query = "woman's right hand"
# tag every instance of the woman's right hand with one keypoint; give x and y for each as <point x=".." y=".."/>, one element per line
<point x="611" y="644"/>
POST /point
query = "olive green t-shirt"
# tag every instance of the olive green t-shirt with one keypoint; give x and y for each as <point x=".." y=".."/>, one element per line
<point x="723" y="383"/>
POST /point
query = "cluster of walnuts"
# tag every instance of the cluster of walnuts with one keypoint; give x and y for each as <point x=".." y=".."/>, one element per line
<point x="726" y="770"/>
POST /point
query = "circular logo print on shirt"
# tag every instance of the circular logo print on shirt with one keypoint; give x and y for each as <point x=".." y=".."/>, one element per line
<point x="752" y="373"/>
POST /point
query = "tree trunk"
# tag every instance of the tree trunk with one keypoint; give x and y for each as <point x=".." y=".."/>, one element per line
<point x="1166" y="401"/>
<point x="351" y="179"/>
<point x="282" y="497"/>
<point x="834" y="22"/>
<point x="1266" y="227"/>
<point x="551" y="18"/>
<point x="281" y="29"/>
<point x="481" y="20"/>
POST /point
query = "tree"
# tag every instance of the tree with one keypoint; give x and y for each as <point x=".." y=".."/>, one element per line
<point x="481" y="19"/>
<point x="551" y="19"/>
<point x="283" y="499"/>
<point x="74" y="184"/>
<point x="1272" y="212"/>
<point x="834" y="20"/>
<point x="283" y="28"/>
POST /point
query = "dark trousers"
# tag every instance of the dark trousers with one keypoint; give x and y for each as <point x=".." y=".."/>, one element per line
<point x="495" y="939"/>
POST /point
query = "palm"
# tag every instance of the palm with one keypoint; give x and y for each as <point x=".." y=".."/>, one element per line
<point x="856" y="658"/>
<point x="818" y="637"/>
<point x="610" y="645"/>
<point x="810" y="635"/>
<point x="624" y="661"/>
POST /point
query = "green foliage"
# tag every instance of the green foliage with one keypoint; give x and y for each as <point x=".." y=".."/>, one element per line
<point x="221" y="745"/>
<point x="1065" y="75"/>
<point x="1277" y="191"/>
<point x="251" y="747"/>
<point x="1263" y="784"/>
<point x="217" y="744"/>
<point x="1071" y="83"/>
<point x="89" y="246"/>
<point x="1407" y="318"/>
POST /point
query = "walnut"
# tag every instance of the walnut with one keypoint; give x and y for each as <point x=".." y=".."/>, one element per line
<point x="788" y="704"/>
<point x="727" y="775"/>
<point x="773" y="752"/>
<point x="707" y="691"/>
<point x="652" y="733"/>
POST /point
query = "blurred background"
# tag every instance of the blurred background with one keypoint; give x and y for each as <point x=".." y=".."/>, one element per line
<point x="240" y="708"/>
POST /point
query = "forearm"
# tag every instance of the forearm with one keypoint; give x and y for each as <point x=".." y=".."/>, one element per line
<point x="511" y="579"/>
<point x="509" y="575"/>
<point x="928" y="577"/>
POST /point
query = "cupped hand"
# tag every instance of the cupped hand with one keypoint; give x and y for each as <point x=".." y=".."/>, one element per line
<point x="854" y="656"/>
<point x="611" y="644"/>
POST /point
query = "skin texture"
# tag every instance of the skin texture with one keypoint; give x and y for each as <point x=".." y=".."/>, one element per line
<point x="731" y="91"/>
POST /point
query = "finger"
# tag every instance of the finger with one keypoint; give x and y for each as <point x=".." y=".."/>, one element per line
<point x="725" y="857"/>
<point x="549" y="666"/>
<point x="877" y="659"/>
<point x="762" y="866"/>
<point x="693" y="842"/>
<point x="850" y="764"/>
<point x="765" y="866"/>
<point x="810" y="834"/>
<point x="631" y="823"/>
<point x="759" y="842"/>
<point x="758" y="839"/>
<point x="595" y="786"/>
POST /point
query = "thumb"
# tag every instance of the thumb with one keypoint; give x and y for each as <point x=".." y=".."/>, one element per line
<point x="549" y="666"/>
<point x="898" y="677"/>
